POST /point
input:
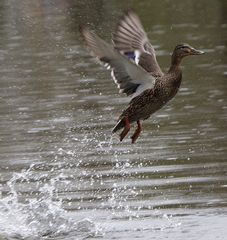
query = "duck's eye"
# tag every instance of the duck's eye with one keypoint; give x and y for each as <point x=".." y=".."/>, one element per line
<point x="185" y="49"/>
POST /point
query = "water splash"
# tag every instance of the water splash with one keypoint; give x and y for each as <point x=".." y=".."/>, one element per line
<point x="41" y="215"/>
<point x="38" y="217"/>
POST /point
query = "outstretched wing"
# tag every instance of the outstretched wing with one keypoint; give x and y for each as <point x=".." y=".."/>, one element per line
<point x="130" y="78"/>
<point x="130" y="39"/>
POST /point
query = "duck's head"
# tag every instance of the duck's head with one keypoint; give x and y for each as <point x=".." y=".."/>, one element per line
<point x="183" y="50"/>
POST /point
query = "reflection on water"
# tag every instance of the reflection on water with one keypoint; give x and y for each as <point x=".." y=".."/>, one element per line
<point x="62" y="175"/>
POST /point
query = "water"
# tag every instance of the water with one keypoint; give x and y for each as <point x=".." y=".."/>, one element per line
<point x="62" y="175"/>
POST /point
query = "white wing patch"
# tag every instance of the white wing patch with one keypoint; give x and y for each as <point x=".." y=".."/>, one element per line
<point x="107" y="66"/>
<point x="115" y="80"/>
<point x="137" y="56"/>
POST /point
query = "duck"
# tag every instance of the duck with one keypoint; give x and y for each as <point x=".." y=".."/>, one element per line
<point x="131" y="58"/>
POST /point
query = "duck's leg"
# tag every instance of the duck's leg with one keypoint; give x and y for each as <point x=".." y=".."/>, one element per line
<point x="137" y="132"/>
<point x="126" y="128"/>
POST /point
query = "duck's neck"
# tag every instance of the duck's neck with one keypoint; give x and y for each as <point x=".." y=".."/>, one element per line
<point x="175" y="63"/>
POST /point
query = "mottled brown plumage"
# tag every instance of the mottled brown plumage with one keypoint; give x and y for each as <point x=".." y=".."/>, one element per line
<point x="151" y="100"/>
<point x="135" y="70"/>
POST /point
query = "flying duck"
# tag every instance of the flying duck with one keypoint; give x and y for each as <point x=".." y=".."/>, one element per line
<point x="134" y="68"/>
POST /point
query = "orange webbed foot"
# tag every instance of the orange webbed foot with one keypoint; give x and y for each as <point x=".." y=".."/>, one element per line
<point x="126" y="128"/>
<point x="137" y="132"/>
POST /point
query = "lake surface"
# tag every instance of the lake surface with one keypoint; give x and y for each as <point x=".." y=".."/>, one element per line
<point x="62" y="175"/>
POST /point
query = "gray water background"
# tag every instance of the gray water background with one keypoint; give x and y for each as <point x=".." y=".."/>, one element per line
<point x="62" y="175"/>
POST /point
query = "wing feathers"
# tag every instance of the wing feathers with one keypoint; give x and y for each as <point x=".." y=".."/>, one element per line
<point x="130" y="36"/>
<point x="128" y="76"/>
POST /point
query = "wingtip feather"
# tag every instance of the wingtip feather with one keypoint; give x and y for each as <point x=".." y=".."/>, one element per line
<point x="83" y="30"/>
<point x="129" y="11"/>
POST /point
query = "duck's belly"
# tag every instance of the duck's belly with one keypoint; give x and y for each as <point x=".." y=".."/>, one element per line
<point x="156" y="103"/>
<point x="145" y="111"/>
<point x="147" y="103"/>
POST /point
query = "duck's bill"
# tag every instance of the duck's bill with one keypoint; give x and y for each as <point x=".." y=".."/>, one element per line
<point x="196" y="52"/>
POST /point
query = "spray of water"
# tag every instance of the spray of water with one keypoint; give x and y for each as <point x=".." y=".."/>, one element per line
<point x="38" y="217"/>
<point x="41" y="215"/>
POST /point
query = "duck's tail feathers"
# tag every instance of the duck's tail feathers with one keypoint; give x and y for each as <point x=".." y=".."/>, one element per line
<point x="118" y="126"/>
